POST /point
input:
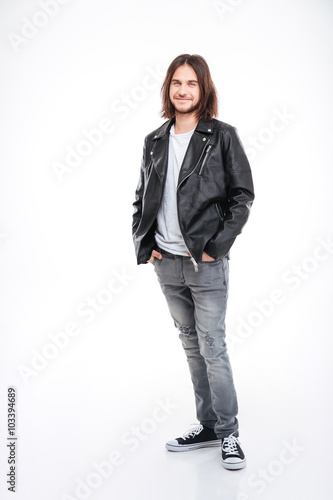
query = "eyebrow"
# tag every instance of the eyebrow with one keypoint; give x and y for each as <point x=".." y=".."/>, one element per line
<point x="188" y="81"/>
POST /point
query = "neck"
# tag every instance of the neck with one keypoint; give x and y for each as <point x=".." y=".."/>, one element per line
<point x="184" y="123"/>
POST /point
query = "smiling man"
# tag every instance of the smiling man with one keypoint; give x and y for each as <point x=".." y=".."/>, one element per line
<point x="185" y="99"/>
<point x="192" y="200"/>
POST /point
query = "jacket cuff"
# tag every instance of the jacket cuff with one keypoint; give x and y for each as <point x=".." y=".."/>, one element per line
<point x="219" y="250"/>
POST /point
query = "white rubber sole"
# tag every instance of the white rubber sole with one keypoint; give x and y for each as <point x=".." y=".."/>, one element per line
<point x="235" y="465"/>
<point x="196" y="446"/>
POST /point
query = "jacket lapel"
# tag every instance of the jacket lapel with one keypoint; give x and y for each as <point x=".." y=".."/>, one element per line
<point x="160" y="149"/>
<point x="160" y="155"/>
<point x="197" y="144"/>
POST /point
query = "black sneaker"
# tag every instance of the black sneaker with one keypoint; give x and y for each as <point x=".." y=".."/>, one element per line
<point x="197" y="437"/>
<point x="232" y="454"/>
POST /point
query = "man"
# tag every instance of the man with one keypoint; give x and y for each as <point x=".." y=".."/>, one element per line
<point x="192" y="200"/>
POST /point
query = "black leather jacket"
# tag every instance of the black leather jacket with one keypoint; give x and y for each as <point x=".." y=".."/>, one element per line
<point x="214" y="193"/>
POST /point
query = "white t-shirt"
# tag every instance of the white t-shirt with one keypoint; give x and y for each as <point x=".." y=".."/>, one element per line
<point x="167" y="234"/>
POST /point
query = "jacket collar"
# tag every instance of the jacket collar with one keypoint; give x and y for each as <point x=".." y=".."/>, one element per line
<point x="203" y="126"/>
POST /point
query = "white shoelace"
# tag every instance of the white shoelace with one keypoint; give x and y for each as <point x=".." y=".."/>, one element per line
<point x="230" y="445"/>
<point x="193" y="432"/>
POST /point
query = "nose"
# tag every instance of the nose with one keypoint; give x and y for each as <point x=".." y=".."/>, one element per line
<point x="182" y="90"/>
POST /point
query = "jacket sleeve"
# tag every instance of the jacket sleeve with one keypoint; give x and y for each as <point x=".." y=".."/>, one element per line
<point x="137" y="205"/>
<point x="240" y="195"/>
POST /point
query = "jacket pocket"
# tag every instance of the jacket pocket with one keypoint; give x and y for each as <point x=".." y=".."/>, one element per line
<point x="219" y="211"/>
<point x="204" y="159"/>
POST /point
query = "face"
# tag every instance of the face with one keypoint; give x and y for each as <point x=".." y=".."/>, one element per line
<point x="184" y="90"/>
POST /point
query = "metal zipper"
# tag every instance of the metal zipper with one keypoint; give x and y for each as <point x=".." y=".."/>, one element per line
<point x="205" y="152"/>
<point x="194" y="262"/>
<point x="205" y="159"/>
<point x="201" y="155"/>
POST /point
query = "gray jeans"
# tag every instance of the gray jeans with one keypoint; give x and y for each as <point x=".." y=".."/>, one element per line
<point x="197" y="302"/>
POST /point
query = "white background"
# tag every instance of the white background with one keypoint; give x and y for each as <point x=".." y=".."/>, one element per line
<point x="64" y="237"/>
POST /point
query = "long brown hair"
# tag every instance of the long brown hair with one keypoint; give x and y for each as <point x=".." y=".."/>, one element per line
<point x="208" y="105"/>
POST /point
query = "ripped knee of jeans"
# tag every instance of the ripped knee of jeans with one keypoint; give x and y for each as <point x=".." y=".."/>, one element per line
<point x="210" y="341"/>
<point x="185" y="329"/>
